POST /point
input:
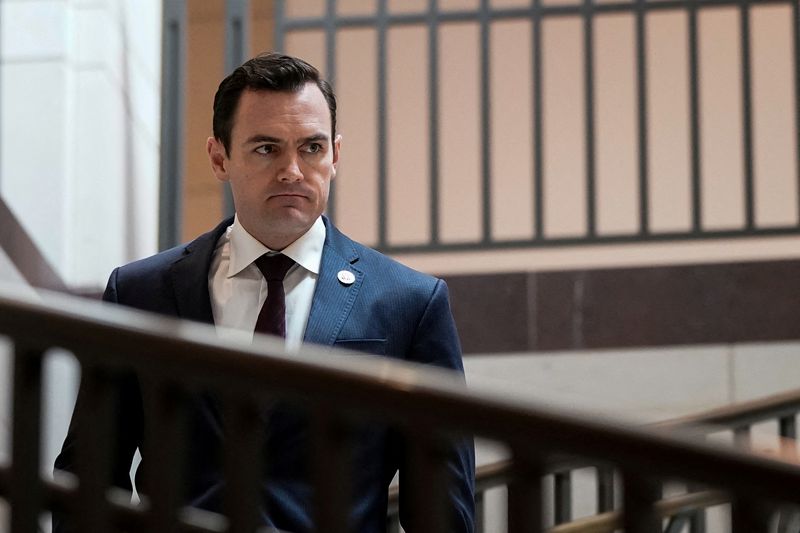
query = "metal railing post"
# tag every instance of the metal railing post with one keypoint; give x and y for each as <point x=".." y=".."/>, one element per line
<point x="237" y="39"/>
<point x="173" y="83"/>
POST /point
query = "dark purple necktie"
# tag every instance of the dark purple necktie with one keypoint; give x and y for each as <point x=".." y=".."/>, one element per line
<point x="272" y="317"/>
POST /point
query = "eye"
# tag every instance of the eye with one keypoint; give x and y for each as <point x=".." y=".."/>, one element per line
<point x="265" y="149"/>
<point x="314" y="147"/>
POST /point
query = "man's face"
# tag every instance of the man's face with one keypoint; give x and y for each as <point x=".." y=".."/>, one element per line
<point x="281" y="162"/>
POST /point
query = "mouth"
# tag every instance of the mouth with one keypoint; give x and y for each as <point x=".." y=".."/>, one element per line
<point x="287" y="195"/>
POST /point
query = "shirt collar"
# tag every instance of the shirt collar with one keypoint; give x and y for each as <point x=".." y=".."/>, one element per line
<point x="306" y="251"/>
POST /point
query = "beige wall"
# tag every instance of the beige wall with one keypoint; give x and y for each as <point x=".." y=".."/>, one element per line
<point x="512" y="163"/>
<point x="205" y="64"/>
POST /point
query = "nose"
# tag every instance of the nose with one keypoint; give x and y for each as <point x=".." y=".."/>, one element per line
<point x="290" y="171"/>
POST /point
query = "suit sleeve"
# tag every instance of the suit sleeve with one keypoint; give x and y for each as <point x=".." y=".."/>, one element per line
<point x="436" y="343"/>
<point x="127" y="430"/>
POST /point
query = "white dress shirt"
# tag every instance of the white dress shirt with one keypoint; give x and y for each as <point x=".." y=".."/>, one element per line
<point x="238" y="289"/>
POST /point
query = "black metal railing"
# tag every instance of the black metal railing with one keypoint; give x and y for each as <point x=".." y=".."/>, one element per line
<point x="486" y="16"/>
<point x="330" y="23"/>
<point x="174" y="357"/>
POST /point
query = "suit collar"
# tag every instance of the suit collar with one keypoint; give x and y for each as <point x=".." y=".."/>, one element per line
<point x="190" y="276"/>
<point x="333" y="299"/>
<point x="332" y="302"/>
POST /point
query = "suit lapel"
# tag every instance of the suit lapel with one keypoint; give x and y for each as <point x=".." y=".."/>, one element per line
<point x="190" y="276"/>
<point x="333" y="299"/>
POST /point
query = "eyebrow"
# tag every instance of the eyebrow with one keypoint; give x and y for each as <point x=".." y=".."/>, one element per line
<point x="262" y="139"/>
<point x="269" y="139"/>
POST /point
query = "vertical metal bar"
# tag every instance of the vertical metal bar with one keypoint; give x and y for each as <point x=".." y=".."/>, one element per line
<point x="605" y="489"/>
<point x="563" y="497"/>
<point x="747" y="116"/>
<point x="1" y="110"/>
<point x="787" y="429"/>
<point x="639" y="497"/>
<point x="393" y="524"/>
<point x="330" y="75"/>
<point x="332" y="471"/>
<point x="694" y="118"/>
<point x="93" y="457"/>
<point x="244" y="439"/>
<point x="486" y="133"/>
<point x="279" y="35"/>
<point x="26" y="488"/>
<point x="480" y="511"/>
<point x="383" y="213"/>
<point x="538" y="164"/>
<point x="784" y="520"/>
<point x="426" y="468"/>
<point x="525" y="496"/>
<point x="588" y="55"/>
<point x="741" y="437"/>
<point x="165" y="435"/>
<point x="173" y="71"/>
<point x="796" y="63"/>
<point x="641" y="74"/>
<point x="697" y="523"/>
<point x="697" y="518"/>
<point x="676" y="523"/>
<point x="237" y="39"/>
<point x="433" y="117"/>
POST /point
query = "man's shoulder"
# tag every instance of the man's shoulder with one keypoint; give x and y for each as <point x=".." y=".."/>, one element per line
<point x="203" y="245"/>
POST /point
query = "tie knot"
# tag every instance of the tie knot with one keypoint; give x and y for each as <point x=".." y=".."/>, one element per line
<point x="274" y="266"/>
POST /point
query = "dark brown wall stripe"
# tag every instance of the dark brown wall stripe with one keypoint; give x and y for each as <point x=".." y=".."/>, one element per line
<point x="627" y="307"/>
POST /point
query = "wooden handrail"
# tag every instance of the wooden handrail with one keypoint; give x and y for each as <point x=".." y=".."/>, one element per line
<point x="495" y="474"/>
<point x="740" y="413"/>
<point x="401" y="394"/>
<point x="610" y="522"/>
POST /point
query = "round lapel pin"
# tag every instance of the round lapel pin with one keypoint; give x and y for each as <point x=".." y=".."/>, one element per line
<point x="346" y="277"/>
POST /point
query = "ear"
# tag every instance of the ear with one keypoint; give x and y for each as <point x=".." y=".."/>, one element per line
<point x="218" y="158"/>
<point x="337" y="143"/>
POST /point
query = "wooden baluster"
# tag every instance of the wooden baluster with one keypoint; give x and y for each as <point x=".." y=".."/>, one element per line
<point x="525" y="496"/>
<point x="605" y="489"/>
<point x="742" y="437"/>
<point x="26" y="490"/>
<point x="164" y="442"/>
<point x="748" y="516"/>
<point x="426" y="474"/>
<point x="243" y="462"/>
<point x="562" y="497"/>
<point x="639" y="498"/>
<point x="333" y="471"/>
<point x="480" y="511"/>
<point x="93" y="456"/>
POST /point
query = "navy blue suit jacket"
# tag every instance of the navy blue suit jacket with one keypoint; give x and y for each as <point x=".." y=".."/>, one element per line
<point x="390" y="310"/>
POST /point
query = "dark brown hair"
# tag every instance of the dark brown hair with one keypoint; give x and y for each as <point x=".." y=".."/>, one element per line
<point x="265" y="72"/>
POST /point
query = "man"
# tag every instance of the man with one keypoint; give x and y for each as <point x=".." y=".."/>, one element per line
<point x="275" y="142"/>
